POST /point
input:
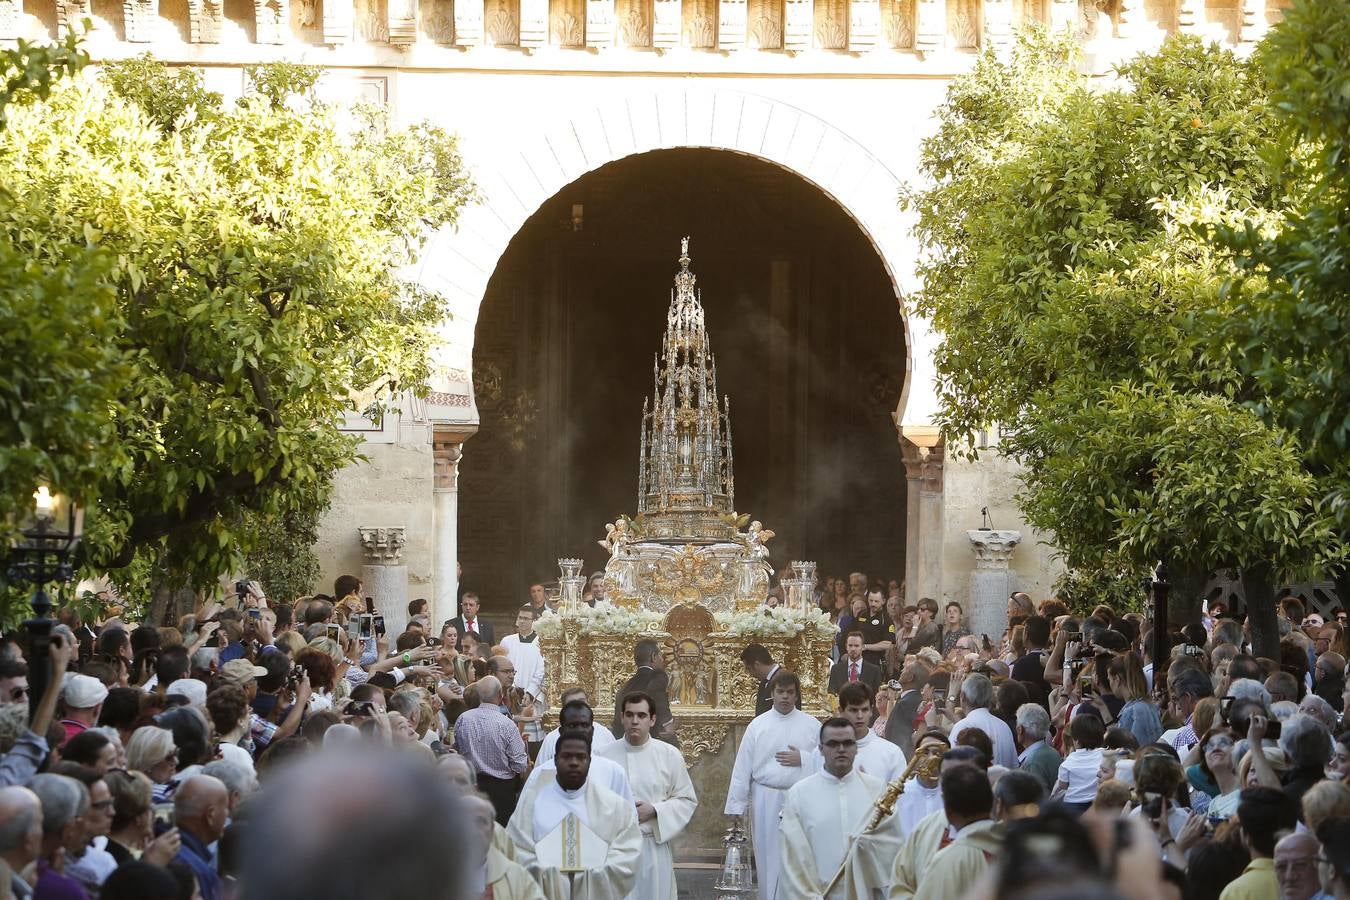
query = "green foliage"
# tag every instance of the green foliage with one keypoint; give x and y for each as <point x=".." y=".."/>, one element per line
<point x="227" y="274"/>
<point x="1291" y="314"/>
<point x="1069" y="273"/>
<point x="283" y="557"/>
<point x="1121" y="588"/>
<point x="30" y="70"/>
<point x="280" y="81"/>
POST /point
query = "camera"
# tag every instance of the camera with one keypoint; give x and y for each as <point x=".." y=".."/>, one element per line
<point x="894" y="684"/>
<point x="361" y="708"/>
<point x="939" y="695"/>
<point x="241" y="589"/>
<point x="255" y="613"/>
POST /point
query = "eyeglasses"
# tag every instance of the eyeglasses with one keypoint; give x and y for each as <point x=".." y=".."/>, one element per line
<point x="102" y="804"/>
<point x="1219" y="744"/>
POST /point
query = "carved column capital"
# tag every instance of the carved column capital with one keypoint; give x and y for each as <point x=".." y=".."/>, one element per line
<point x="445" y="456"/>
<point x="923" y="464"/>
<point x="383" y="545"/>
<point x="993" y="549"/>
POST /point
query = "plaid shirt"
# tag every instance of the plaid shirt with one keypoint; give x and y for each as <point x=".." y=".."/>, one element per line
<point x="491" y="742"/>
<point x="1185" y="739"/>
<point x="260" y="730"/>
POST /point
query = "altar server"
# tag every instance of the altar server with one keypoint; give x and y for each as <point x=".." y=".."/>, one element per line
<point x="877" y="756"/>
<point x="613" y="820"/>
<point x="576" y="716"/>
<point x="932" y="833"/>
<point x="923" y="791"/>
<point x="768" y="762"/>
<point x="665" y="796"/>
<point x="826" y="837"/>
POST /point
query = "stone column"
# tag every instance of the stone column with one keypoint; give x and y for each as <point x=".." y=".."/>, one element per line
<point x="923" y="456"/>
<point x="992" y="580"/>
<point x="446" y="449"/>
<point x="384" y="575"/>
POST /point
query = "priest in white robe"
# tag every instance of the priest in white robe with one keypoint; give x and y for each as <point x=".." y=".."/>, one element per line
<point x="827" y="843"/>
<point x="665" y="796"/>
<point x="576" y="714"/>
<point x="976" y="839"/>
<point x="600" y="737"/>
<point x="603" y="814"/>
<point x="877" y="756"/>
<point x="768" y="762"/>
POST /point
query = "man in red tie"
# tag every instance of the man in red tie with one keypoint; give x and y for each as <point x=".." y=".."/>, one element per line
<point x="469" y="620"/>
<point x="853" y="668"/>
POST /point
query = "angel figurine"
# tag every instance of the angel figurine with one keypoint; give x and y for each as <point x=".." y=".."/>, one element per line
<point x="755" y="539"/>
<point x="616" y="539"/>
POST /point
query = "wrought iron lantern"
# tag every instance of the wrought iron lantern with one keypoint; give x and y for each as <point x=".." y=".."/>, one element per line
<point x="46" y="535"/>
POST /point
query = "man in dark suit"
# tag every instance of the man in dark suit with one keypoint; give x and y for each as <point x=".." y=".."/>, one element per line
<point x="853" y="667"/>
<point x="758" y="662"/>
<point x="900" y="718"/>
<point x="650" y="679"/>
<point x="469" y="620"/>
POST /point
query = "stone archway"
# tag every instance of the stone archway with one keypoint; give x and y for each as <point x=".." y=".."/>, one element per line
<point x="519" y="169"/>
<point x="526" y="166"/>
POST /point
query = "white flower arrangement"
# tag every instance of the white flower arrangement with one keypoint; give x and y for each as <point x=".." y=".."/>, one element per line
<point x="767" y="621"/>
<point x="603" y="618"/>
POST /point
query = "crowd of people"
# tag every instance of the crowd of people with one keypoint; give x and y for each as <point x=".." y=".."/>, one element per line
<point x="261" y="748"/>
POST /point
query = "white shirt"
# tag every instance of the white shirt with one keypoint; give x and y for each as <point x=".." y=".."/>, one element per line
<point x="529" y="663"/>
<point x="1005" y="746"/>
<point x="600" y="739"/>
<point x="603" y="771"/>
<point x="916" y="803"/>
<point x="1079" y="772"/>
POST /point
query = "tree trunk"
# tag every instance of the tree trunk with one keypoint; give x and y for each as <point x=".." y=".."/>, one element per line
<point x="1188" y="584"/>
<point x="1258" y="583"/>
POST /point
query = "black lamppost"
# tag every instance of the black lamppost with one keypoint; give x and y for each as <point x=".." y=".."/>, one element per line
<point x="1160" y="588"/>
<point x="47" y="533"/>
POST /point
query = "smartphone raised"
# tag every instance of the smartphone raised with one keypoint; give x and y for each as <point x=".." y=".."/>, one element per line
<point x="379" y="626"/>
<point x="335" y="631"/>
<point x="366" y="621"/>
<point x="370" y="606"/>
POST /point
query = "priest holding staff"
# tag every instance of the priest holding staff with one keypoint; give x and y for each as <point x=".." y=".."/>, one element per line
<point x="835" y="842"/>
<point x="665" y="798"/>
<point x="768" y="762"/>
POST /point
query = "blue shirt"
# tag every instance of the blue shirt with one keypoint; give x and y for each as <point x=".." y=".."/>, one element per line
<point x="198" y="858"/>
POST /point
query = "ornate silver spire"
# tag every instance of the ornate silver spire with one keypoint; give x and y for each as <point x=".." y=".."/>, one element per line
<point x="685" y="473"/>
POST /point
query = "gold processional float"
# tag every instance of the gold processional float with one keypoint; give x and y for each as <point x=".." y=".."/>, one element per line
<point x="682" y="572"/>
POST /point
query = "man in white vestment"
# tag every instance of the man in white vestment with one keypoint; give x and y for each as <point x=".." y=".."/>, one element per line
<point x="523" y="650"/>
<point x="923" y="792"/>
<point x="665" y="796"/>
<point x="877" y="756"/>
<point x="824" y="838"/>
<point x="506" y="879"/>
<point x="768" y="762"/>
<point x="600" y="737"/>
<point x="932" y="833"/>
<point x="565" y="791"/>
<point x="576" y="715"/>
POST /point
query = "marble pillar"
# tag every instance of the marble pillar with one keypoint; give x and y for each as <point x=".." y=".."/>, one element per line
<point x="385" y="576"/>
<point x="991" y="581"/>
<point x="923" y="517"/>
<point x="446" y="449"/>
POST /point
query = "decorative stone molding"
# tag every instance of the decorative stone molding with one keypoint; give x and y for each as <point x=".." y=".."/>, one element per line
<point x="383" y="546"/>
<point x="864" y="25"/>
<point x="930" y="26"/>
<point x="797" y="16"/>
<point x="402" y="22"/>
<point x="501" y="23"/>
<point x="666" y="24"/>
<point x="273" y="18"/>
<point x="69" y="13"/>
<point x="966" y="29"/>
<point x="998" y="25"/>
<point x="1191" y="16"/>
<point x="205" y="18"/>
<point x="445" y="454"/>
<point x="764" y="25"/>
<point x="993" y="549"/>
<point x="11" y="13"/>
<point x="337" y="22"/>
<point x="533" y="24"/>
<point x="1254" y="21"/>
<point x="831" y="24"/>
<point x="139" y="17"/>
<point x="468" y="23"/>
<point x="731" y="24"/>
<point x="599" y="24"/>
<point x="569" y="27"/>
<point x="634" y="25"/>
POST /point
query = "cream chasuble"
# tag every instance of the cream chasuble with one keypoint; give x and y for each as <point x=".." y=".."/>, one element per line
<point x="822" y="825"/>
<point x="508" y="880"/>
<point x="759" y="783"/>
<point x="544" y="805"/>
<point x="916" y="854"/>
<point x="657" y="775"/>
<point x="959" y="865"/>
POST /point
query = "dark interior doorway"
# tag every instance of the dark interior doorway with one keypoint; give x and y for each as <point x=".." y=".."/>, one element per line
<point x="805" y="326"/>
